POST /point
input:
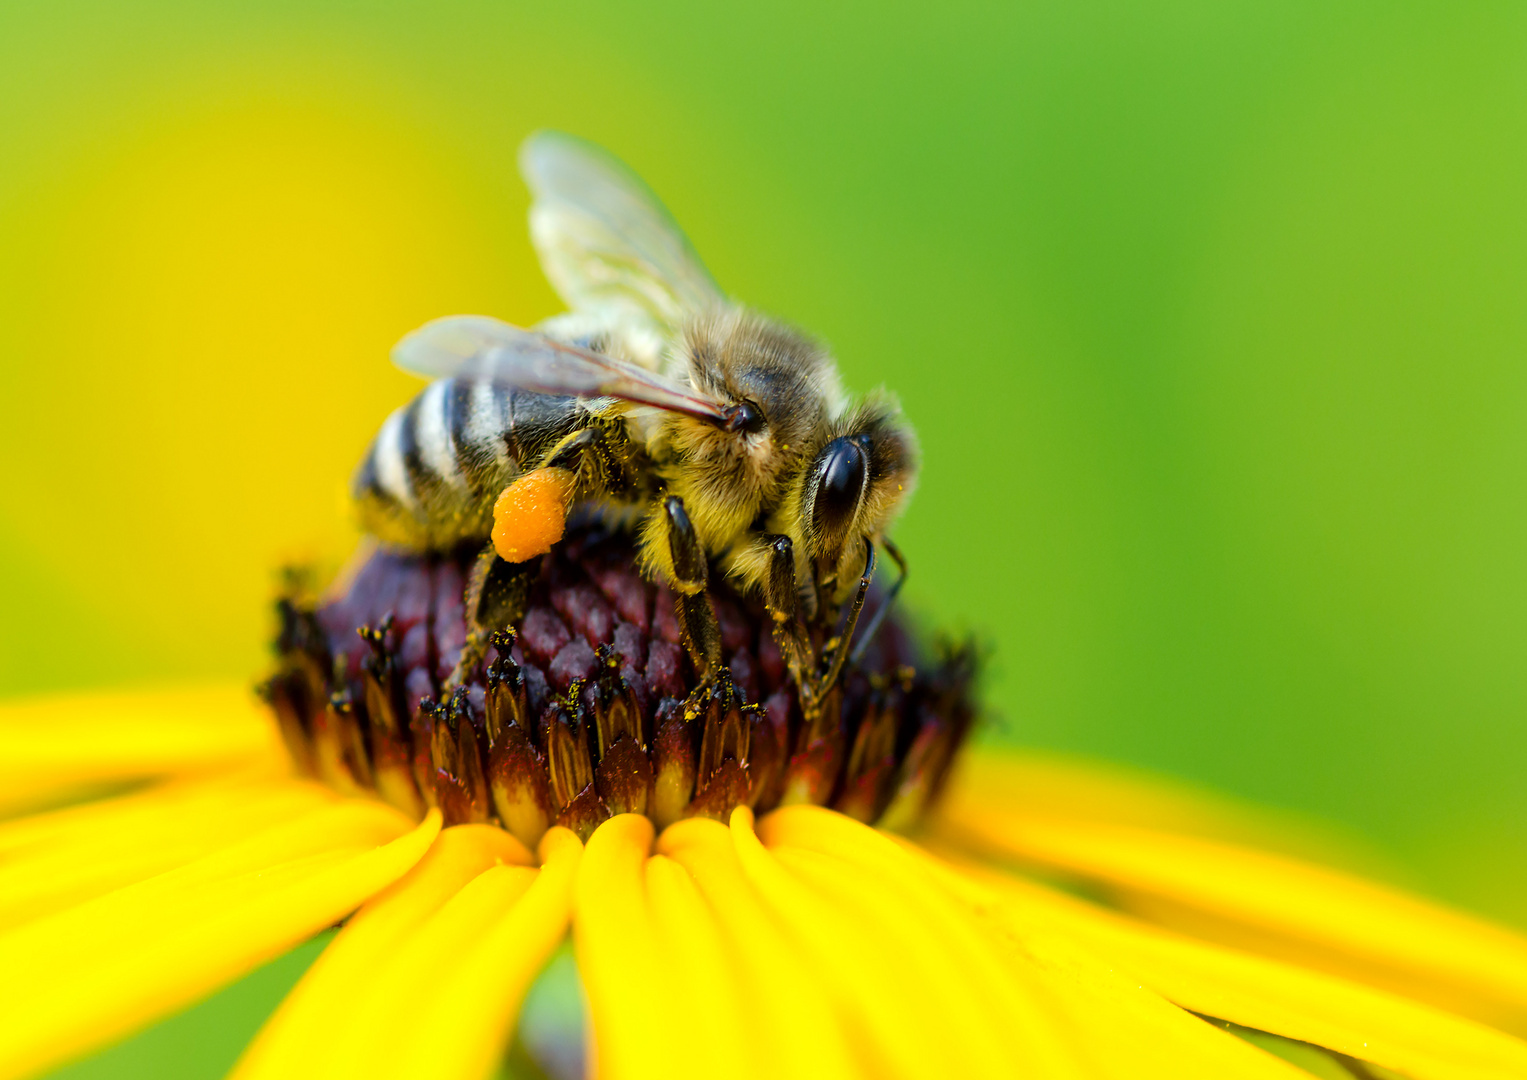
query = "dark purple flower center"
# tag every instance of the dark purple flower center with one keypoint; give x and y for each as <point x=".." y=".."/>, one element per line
<point x="591" y="706"/>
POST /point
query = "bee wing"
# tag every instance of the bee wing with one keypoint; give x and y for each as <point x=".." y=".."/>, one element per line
<point x="476" y="345"/>
<point x="607" y="244"/>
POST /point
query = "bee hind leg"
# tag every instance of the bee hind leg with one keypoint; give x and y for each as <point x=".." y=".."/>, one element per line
<point x="495" y="599"/>
<point x="698" y="628"/>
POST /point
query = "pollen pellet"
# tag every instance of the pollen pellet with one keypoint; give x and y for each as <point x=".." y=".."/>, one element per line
<point x="530" y="514"/>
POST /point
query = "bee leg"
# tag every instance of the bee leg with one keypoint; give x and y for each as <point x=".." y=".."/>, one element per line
<point x="782" y="599"/>
<point x="498" y="592"/>
<point x="570" y="453"/>
<point x="838" y="644"/>
<point x="697" y="622"/>
<point x="597" y="456"/>
<point x="495" y="599"/>
<point x="885" y="605"/>
<point x="530" y="515"/>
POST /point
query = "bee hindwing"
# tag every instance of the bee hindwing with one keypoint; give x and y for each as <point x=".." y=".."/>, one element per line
<point x="607" y="244"/>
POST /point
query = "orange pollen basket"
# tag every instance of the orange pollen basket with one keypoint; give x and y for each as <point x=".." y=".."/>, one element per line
<point x="531" y="514"/>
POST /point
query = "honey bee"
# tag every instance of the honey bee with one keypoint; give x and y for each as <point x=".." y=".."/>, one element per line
<point x="720" y="436"/>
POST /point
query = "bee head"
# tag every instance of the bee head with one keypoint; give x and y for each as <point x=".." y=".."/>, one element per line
<point x="855" y="484"/>
<point x="777" y="387"/>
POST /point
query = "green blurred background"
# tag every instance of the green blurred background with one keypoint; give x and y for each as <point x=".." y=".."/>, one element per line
<point x="1211" y="315"/>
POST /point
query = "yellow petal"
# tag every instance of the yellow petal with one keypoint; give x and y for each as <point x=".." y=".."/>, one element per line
<point x="60" y="744"/>
<point x="708" y="1003"/>
<point x="962" y="993"/>
<point x="1273" y="905"/>
<point x="115" y="842"/>
<point x="624" y="972"/>
<point x="85" y="976"/>
<point x="1061" y="786"/>
<point x="462" y="1028"/>
<point x="797" y="1028"/>
<point x="107" y="821"/>
<point x="305" y="1027"/>
<point x="1124" y="1031"/>
<point x="1422" y="1042"/>
<point x="382" y="1017"/>
<point x="1096" y="1024"/>
<point x="666" y="991"/>
<point x="900" y="991"/>
<point x="428" y="979"/>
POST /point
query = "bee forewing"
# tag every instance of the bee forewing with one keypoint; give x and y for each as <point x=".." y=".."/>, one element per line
<point x="445" y="347"/>
<point x="478" y="346"/>
<point x="606" y="242"/>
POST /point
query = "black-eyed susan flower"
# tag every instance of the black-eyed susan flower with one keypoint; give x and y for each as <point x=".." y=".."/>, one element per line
<point x="746" y="895"/>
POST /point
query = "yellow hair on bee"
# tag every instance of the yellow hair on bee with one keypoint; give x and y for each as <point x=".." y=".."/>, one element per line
<point x="531" y="513"/>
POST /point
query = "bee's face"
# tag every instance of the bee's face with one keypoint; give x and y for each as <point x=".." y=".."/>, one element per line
<point x="785" y="448"/>
<point x="777" y="387"/>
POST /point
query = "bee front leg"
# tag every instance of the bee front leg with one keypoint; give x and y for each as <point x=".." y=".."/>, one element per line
<point x="863" y="644"/>
<point x="697" y="621"/>
<point x="782" y="598"/>
<point x="839" y="644"/>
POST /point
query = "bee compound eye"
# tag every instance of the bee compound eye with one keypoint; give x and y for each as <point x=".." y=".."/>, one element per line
<point x="841" y="472"/>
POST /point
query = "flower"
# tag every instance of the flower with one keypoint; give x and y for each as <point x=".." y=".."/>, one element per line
<point x="1041" y="919"/>
<point x="804" y="943"/>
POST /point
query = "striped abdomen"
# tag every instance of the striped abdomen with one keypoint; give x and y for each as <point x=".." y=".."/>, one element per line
<point x="430" y="478"/>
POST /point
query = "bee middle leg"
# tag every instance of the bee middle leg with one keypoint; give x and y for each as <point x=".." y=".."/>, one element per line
<point x="698" y="628"/>
<point x="781" y="598"/>
<point x="839" y="643"/>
